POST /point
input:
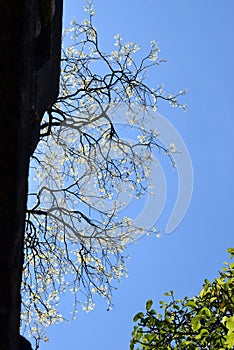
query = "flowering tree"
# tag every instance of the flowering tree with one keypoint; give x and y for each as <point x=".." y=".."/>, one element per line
<point x="75" y="236"/>
<point x="202" y="322"/>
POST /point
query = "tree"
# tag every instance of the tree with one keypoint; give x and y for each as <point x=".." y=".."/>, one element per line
<point x="74" y="236"/>
<point x="205" y="321"/>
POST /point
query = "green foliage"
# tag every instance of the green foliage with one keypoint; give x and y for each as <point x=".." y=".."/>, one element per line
<point x="202" y="322"/>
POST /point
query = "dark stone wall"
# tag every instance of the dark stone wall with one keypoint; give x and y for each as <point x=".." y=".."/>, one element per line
<point x="24" y="344"/>
<point x="47" y="59"/>
<point x="27" y="88"/>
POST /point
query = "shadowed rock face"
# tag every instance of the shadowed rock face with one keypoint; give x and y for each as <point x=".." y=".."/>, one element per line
<point x="47" y="31"/>
<point x="30" y="41"/>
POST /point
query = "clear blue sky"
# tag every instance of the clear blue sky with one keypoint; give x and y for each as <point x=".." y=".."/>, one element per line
<point x="196" y="38"/>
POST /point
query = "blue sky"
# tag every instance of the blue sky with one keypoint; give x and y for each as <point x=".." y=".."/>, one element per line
<point x="196" y="38"/>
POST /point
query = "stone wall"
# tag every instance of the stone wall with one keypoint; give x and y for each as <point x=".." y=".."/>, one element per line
<point x="29" y="83"/>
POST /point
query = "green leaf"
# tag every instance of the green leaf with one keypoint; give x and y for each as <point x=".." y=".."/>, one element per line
<point x="204" y="333"/>
<point x="196" y="325"/>
<point x="219" y="281"/>
<point x="149" y="303"/>
<point x="169" y="294"/>
<point x="212" y="299"/>
<point x="191" y="304"/>
<point x="205" y="311"/>
<point x="137" y="316"/>
<point x="231" y="252"/>
<point x="230" y="323"/>
<point x="230" y="339"/>
<point x="153" y="312"/>
<point x="176" y="307"/>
